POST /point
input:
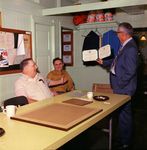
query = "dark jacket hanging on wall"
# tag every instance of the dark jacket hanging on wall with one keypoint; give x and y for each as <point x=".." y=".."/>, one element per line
<point x="110" y="37"/>
<point x="91" y="41"/>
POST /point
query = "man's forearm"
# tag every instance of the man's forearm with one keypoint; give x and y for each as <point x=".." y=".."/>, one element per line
<point x="31" y="100"/>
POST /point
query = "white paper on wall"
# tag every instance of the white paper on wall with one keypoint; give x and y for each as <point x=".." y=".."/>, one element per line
<point x="20" y="45"/>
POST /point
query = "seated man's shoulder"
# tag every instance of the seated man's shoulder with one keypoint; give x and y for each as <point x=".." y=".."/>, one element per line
<point x="66" y="73"/>
<point x="20" y="80"/>
<point x="51" y="73"/>
<point x="40" y="76"/>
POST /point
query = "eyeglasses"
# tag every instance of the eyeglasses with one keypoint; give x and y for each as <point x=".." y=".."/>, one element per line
<point x="117" y="32"/>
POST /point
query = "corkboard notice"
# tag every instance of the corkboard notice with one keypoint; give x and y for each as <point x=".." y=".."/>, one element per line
<point x="15" y="45"/>
<point x="0" y="19"/>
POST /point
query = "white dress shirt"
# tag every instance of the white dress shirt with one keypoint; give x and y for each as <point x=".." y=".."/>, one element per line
<point x="33" y="88"/>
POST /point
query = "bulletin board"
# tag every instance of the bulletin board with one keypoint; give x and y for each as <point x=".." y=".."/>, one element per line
<point x="0" y="19"/>
<point x="15" y="45"/>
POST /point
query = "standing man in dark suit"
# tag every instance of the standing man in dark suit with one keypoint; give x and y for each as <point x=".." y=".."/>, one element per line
<point x="123" y="78"/>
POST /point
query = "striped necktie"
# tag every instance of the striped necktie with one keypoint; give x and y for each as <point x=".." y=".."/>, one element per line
<point x="112" y="69"/>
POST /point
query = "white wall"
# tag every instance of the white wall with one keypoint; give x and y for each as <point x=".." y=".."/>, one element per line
<point x="139" y="20"/>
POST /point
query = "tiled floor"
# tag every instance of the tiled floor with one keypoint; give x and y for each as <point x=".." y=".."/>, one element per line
<point x="95" y="139"/>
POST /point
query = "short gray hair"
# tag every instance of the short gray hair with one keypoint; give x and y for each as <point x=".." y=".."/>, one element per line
<point x="24" y="63"/>
<point x="127" y="27"/>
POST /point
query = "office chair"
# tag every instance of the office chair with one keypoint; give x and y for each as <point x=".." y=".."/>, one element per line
<point x="17" y="101"/>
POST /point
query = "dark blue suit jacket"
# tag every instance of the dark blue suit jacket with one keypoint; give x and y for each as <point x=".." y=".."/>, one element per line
<point x="125" y="79"/>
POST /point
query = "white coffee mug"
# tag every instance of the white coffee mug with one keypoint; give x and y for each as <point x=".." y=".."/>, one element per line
<point x="89" y="95"/>
<point x="10" y="110"/>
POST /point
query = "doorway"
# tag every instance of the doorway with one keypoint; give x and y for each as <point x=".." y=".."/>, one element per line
<point x="44" y="47"/>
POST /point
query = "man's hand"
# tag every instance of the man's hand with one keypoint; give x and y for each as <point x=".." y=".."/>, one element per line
<point x="100" y="61"/>
<point x="54" y="93"/>
<point x="31" y="100"/>
<point x="63" y="80"/>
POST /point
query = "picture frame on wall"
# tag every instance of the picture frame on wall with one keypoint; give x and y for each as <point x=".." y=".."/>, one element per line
<point x="67" y="59"/>
<point x="67" y="37"/>
<point x="67" y="47"/>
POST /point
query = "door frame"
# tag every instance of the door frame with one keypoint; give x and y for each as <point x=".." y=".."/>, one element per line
<point x="47" y="22"/>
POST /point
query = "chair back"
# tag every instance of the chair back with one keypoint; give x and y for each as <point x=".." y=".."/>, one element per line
<point x="17" y="101"/>
<point x="104" y="88"/>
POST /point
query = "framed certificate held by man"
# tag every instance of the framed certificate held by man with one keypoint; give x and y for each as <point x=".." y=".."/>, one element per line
<point x="90" y="55"/>
<point x="94" y="54"/>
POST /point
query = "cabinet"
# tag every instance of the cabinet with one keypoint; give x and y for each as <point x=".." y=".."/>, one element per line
<point x="93" y="6"/>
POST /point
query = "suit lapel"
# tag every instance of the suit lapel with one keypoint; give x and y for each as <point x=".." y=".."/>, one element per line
<point x="124" y="48"/>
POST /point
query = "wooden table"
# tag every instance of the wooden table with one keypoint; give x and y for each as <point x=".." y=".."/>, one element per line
<point x="26" y="136"/>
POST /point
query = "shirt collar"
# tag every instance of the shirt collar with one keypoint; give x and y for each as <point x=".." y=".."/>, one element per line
<point x="29" y="78"/>
<point x="126" y="41"/>
<point x="58" y="72"/>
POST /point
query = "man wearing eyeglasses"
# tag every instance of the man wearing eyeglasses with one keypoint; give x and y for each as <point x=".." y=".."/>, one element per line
<point x="31" y="84"/>
<point x="123" y="79"/>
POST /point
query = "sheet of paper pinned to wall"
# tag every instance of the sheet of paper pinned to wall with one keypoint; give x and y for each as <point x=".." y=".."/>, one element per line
<point x="6" y="40"/>
<point x="9" y="40"/>
<point x="2" y="40"/>
<point x="20" y="46"/>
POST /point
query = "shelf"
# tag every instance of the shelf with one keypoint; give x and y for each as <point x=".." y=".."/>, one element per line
<point x="93" y="6"/>
<point x="95" y="25"/>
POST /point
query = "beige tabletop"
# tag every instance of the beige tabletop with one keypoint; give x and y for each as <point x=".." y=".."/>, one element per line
<point x="26" y="136"/>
